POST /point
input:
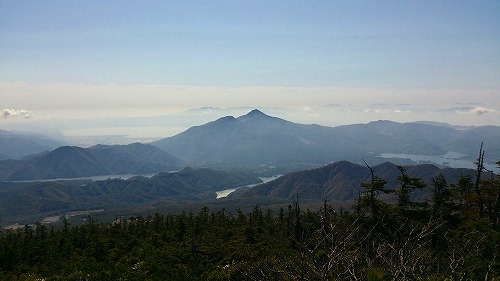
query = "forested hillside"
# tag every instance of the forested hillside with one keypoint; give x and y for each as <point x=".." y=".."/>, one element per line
<point x="28" y="201"/>
<point x="454" y="235"/>
<point x="340" y="181"/>
<point x="76" y="162"/>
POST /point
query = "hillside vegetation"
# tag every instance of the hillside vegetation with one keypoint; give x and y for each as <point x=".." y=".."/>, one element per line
<point x="454" y="235"/>
<point x="77" y="162"/>
<point x="26" y="202"/>
<point x="340" y="181"/>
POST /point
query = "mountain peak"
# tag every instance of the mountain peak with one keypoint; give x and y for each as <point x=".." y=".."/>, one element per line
<point x="255" y="113"/>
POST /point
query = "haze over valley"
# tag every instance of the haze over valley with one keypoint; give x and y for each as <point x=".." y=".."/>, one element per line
<point x="243" y="148"/>
<point x="90" y="91"/>
<point x="249" y="140"/>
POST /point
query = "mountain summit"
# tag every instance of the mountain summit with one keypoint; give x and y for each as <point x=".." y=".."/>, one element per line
<point x="258" y="140"/>
<point x="76" y="162"/>
<point x="257" y="117"/>
<point x="250" y="140"/>
<point x="254" y="114"/>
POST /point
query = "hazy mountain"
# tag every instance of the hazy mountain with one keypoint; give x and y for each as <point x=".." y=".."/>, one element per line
<point x="15" y="145"/>
<point x="27" y="200"/>
<point x="251" y="139"/>
<point x="258" y="139"/>
<point x="339" y="181"/>
<point x="442" y="124"/>
<point x="75" y="162"/>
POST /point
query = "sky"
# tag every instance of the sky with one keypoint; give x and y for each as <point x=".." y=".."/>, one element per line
<point x="90" y="68"/>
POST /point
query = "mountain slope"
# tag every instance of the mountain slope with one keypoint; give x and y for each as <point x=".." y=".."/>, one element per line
<point x="15" y="145"/>
<point x="258" y="139"/>
<point x="75" y="162"/>
<point x="339" y="181"/>
<point x="34" y="199"/>
<point x="251" y="139"/>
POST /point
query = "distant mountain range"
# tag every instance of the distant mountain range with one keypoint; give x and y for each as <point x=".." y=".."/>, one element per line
<point x="339" y="181"/>
<point x="14" y="145"/>
<point x="32" y="200"/>
<point x="258" y="139"/>
<point x="253" y="142"/>
<point x="77" y="162"/>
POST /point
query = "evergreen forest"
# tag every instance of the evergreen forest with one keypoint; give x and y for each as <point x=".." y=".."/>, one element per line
<point x="453" y="235"/>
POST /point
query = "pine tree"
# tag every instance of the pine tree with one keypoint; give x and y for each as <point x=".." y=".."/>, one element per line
<point x="407" y="186"/>
<point x="371" y="192"/>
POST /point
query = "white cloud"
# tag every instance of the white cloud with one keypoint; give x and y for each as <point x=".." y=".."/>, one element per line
<point x="15" y="113"/>
<point x="478" y="110"/>
<point x="324" y="105"/>
<point x="385" y="111"/>
<point x="311" y="112"/>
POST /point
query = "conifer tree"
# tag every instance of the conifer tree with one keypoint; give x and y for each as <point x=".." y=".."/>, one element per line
<point x="371" y="192"/>
<point x="441" y="197"/>
<point x="407" y="186"/>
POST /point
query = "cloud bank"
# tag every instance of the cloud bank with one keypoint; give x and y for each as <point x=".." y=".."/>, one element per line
<point x="473" y="110"/>
<point x="478" y="110"/>
<point x="16" y="113"/>
<point x="75" y="103"/>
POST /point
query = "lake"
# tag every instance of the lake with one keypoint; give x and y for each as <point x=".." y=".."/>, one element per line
<point x="93" y="178"/>
<point x="451" y="159"/>
<point x="226" y="192"/>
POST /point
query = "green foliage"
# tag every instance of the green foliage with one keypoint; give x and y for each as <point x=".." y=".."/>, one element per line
<point x="407" y="186"/>
<point x="438" y="241"/>
<point x="374" y="274"/>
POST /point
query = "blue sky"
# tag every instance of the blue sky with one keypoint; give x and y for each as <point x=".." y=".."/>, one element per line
<point x="57" y="56"/>
<point x="422" y="44"/>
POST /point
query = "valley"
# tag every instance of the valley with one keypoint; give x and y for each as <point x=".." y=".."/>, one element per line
<point x="250" y="140"/>
<point x="235" y="161"/>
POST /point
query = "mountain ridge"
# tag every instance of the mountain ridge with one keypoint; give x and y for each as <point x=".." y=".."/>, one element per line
<point x="340" y="181"/>
<point x="16" y="145"/>
<point x="29" y="200"/>
<point x="257" y="139"/>
<point x="77" y="162"/>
